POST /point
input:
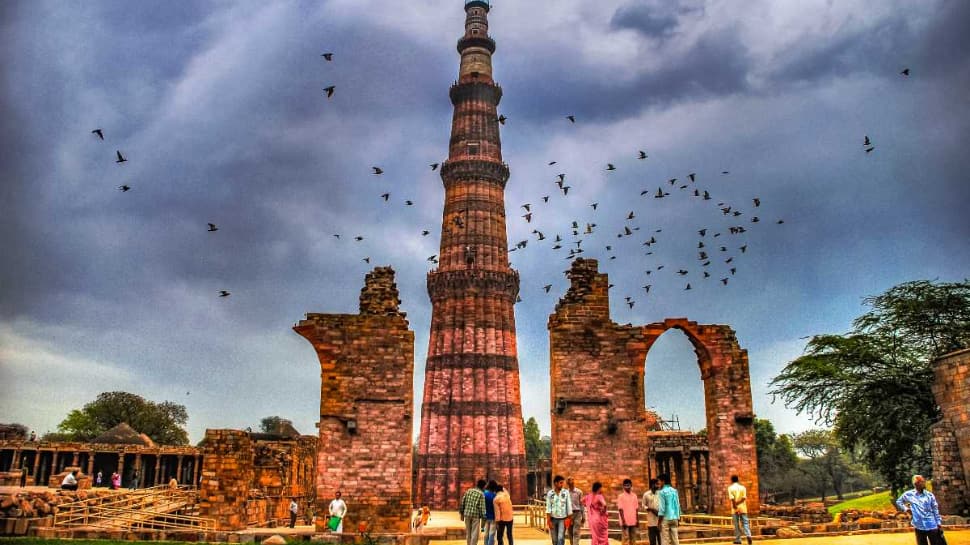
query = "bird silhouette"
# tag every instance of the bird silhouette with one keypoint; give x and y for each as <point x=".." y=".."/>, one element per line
<point x="528" y="217"/>
<point x="565" y="190"/>
<point x="866" y="141"/>
<point x="366" y="260"/>
<point x="609" y="166"/>
<point x="433" y="258"/>
<point x="550" y="163"/>
<point x="647" y="288"/>
<point x="434" y="166"/>
<point x="682" y="272"/>
<point x="594" y="205"/>
<point x="692" y="176"/>
<point x="724" y="281"/>
<point x="547" y="287"/>
<point x="905" y="72"/>
<point x="688" y="287"/>
<point x="385" y="196"/>
<point x="377" y="171"/>
<point x="630" y="303"/>
<point x="98" y="132"/>
<point x="642" y="155"/>
<point x="501" y="119"/>
<point x="358" y="238"/>
<point x="702" y="232"/>
<point x="425" y="233"/>
<point x="571" y="118"/>
<point x="545" y="198"/>
<point x="327" y="56"/>
<point x="527" y="206"/>
<point x="408" y="203"/>
<point x="329" y="90"/>
<point x="757" y="202"/>
<point x="870" y="148"/>
<point x="630" y="216"/>
<point x="224" y="293"/>
<point x="124" y="188"/>
<point x="212" y="228"/>
<point x="121" y="158"/>
<point x="743" y="248"/>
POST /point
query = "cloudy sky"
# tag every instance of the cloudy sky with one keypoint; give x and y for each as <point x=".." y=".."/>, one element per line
<point x="218" y="108"/>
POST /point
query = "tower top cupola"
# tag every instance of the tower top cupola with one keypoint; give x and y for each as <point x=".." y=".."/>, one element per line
<point x="475" y="46"/>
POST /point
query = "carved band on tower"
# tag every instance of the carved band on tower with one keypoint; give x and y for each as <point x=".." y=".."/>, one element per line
<point x="471" y="418"/>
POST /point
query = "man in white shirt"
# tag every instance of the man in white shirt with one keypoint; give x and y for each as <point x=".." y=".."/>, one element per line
<point x="738" y="496"/>
<point x="338" y="509"/>
<point x="70" y="481"/>
<point x="294" y="509"/>
<point x="651" y="502"/>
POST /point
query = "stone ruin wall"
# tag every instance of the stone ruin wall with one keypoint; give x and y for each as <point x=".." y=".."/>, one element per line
<point x="366" y="408"/>
<point x="249" y="481"/>
<point x="951" y="435"/>
<point x="600" y="424"/>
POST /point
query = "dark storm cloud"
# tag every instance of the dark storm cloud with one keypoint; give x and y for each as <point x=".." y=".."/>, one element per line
<point x="716" y="64"/>
<point x="655" y="19"/>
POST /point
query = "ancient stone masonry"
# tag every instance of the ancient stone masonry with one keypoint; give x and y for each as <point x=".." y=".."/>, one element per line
<point x="600" y="424"/>
<point x="951" y="435"/>
<point x="366" y="407"/>
<point x="227" y="475"/>
<point x="471" y="418"/>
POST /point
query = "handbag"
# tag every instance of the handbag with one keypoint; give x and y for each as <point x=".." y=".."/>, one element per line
<point x="333" y="523"/>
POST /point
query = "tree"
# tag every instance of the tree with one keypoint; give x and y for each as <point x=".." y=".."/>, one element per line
<point x="270" y="424"/>
<point x="874" y="383"/>
<point x="163" y="422"/>
<point x="776" y="459"/>
<point x="534" y="448"/>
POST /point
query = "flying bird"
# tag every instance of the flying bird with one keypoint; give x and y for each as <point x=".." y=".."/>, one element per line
<point x="528" y="207"/>
<point x="572" y="118"/>
<point x="212" y="228"/>
<point x="329" y="90"/>
<point x="905" y="72"/>
<point x="358" y="238"/>
<point x="551" y="163"/>
<point x="594" y="205"/>
<point x="870" y="148"/>
<point x="434" y="166"/>
<point x="642" y="155"/>
<point x="547" y="287"/>
<point x="866" y="141"/>
<point x="366" y="260"/>
<point x="425" y="233"/>
<point x="545" y="198"/>
<point x="630" y="216"/>
<point x="501" y="119"/>
<point x="385" y="196"/>
<point x="378" y="171"/>
<point x="528" y="217"/>
<point x="98" y="132"/>
<point x="408" y="203"/>
<point x="121" y="158"/>
<point x="124" y="188"/>
<point x="688" y="287"/>
<point x="692" y="175"/>
<point x="224" y="293"/>
<point x="609" y="166"/>
<point x="757" y="201"/>
<point x="327" y="56"/>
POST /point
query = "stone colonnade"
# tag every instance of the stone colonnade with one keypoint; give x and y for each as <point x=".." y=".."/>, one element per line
<point x="29" y="463"/>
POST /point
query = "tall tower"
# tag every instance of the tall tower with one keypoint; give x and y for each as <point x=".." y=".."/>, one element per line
<point x="471" y="419"/>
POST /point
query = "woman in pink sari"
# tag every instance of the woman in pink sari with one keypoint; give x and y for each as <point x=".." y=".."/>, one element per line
<point x="596" y="515"/>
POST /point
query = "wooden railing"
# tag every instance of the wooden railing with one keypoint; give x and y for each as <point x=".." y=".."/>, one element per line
<point x="535" y="513"/>
<point x="146" y="508"/>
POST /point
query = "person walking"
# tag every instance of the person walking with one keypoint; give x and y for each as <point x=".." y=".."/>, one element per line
<point x="471" y="509"/>
<point x="558" y="509"/>
<point x="115" y="480"/>
<point x="503" y="514"/>
<point x="294" y="509"/>
<point x="738" y="496"/>
<point x="490" y="489"/>
<point x="668" y="512"/>
<point x="599" y="522"/>
<point x="338" y="508"/>
<point x="98" y="479"/>
<point x="576" y="498"/>
<point x="921" y="504"/>
<point x="628" y="504"/>
<point x="651" y="504"/>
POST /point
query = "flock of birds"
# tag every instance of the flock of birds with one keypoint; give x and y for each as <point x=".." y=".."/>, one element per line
<point x="718" y="249"/>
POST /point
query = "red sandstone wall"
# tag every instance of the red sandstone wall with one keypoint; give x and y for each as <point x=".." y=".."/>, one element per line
<point x="600" y="426"/>
<point x="951" y="436"/>
<point x="366" y="407"/>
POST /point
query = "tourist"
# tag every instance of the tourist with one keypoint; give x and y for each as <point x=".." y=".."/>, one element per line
<point x="338" y="508"/>
<point x="598" y="520"/>
<point x="628" y="504"/>
<point x="651" y="503"/>
<point x="490" y="489"/>
<point x="294" y="509"/>
<point x="134" y="480"/>
<point x="98" y="479"/>
<point x="471" y="510"/>
<point x="738" y="496"/>
<point x="559" y="509"/>
<point x="173" y="483"/>
<point x="576" y="498"/>
<point x="115" y="480"/>
<point x="503" y="514"/>
<point x="421" y="519"/>
<point x="668" y="512"/>
<point x="921" y="504"/>
<point x="33" y="436"/>
<point x="70" y="481"/>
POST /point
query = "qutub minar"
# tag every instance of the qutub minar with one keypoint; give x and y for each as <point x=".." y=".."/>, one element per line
<point x="471" y="418"/>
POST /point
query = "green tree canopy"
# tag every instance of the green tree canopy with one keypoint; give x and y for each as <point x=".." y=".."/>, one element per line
<point x="776" y="459"/>
<point x="536" y="446"/>
<point x="164" y="422"/>
<point x="874" y="383"/>
<point x="270" y="424"/>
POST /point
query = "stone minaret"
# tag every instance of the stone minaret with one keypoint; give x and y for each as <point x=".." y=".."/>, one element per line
<point x="471" y="419"/>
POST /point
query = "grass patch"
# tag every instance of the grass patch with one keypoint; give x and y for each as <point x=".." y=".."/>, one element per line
<point x="873" y="502"/>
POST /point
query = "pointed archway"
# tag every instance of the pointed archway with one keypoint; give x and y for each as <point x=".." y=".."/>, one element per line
<point x="601" y="430"/>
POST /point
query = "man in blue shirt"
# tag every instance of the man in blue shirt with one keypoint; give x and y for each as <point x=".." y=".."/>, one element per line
<point x="669" y="512"/>
<point x="921" y="504"/>
<point x="559" y="507"/>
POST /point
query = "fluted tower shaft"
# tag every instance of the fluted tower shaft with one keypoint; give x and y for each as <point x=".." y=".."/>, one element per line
<point x="471" y="418"/>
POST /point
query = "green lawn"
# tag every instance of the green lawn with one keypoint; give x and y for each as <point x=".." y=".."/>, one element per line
<point x="872" y="502"/>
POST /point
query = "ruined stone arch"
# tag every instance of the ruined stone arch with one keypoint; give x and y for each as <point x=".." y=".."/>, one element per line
<point x="601" y="429"/>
